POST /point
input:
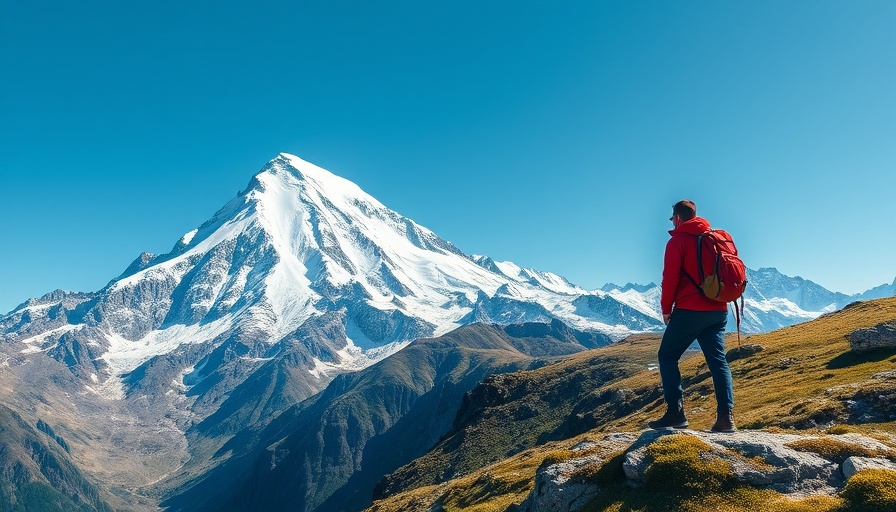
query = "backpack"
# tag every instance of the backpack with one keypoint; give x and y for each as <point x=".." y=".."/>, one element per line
<point x="722" y="274"/>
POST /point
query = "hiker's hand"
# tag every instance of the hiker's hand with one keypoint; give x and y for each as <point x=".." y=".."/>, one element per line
<point x="666" y="319"/>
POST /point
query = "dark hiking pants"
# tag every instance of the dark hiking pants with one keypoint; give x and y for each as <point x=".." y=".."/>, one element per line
<point x="708" y="328"/>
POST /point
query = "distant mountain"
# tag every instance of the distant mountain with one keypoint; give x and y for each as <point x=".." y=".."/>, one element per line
<point x="297" y="245"/>
<point x="878" y="292"/>
<point x="640" y="288"/>
<point x="772" y="299"/>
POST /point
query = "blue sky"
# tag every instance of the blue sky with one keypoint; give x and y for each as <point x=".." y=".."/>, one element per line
<point x="553" y="134"/>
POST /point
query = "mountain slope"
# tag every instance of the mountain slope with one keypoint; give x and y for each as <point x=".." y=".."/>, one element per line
<point x="38" y="472"/>
<point x="328" y="452"/>
<point x="806" y="380"/>
<point x="510" y="413"/>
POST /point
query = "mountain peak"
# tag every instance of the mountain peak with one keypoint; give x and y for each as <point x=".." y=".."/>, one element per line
<point x="293" y="172"/>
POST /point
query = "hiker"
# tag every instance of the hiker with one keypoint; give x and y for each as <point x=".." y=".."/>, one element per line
<point x="693" y="317"/>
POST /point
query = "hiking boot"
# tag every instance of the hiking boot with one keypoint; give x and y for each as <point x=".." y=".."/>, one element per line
<point x="724" y="422"/>
<point x="674" y="418"/>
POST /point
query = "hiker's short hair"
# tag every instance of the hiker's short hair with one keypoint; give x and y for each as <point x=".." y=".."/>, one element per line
<point x="685" y="209"/>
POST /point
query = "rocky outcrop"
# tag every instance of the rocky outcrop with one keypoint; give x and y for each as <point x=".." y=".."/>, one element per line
<point x="790" y="464"/>
<point x="560" y="487"/>
<point x="760" y="459"/>
<point x="882" y="335"/>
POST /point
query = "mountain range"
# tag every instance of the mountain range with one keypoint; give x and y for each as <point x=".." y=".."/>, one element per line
<point x="231" y="351"/>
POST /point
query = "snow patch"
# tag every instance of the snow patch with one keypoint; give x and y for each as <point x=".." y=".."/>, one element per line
<point x="35" y="308"/>
<point x="188" y="237"/>
<point x="256" y="359"/>
<point x="42" y="337"/>
<point x="35" y="349"/>
<point x="352" y="359"/>
<point x="781" y="305"/>
<point x="125" y="355"/>
<point x="647" y="302"/>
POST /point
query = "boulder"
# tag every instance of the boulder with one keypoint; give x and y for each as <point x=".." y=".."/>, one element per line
<point x="555" y="491"/>
<point x="760" y="459"/>
<point x="882" y="335"/>
<point x="560" y="488"/>
<point x="853" y="465"/>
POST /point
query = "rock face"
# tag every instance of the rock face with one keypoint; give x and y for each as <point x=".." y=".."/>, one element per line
<point x="558" y="488"/>
<point x="790" y="464"/>
<point x="556" y="491"/>
<point x="882" y="335"/>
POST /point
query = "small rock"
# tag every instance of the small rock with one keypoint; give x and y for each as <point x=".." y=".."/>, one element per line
<point x="635" y="464"/>
<point x="853" y="465"/>
<point x="560" y="487"/>
<point x="743" y="351"/>
<point x="585" y="444"/>
<point x="886" y="375"/>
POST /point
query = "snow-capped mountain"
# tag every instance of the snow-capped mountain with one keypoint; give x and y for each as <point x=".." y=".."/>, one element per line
<point x="771" y="300"/>
<point x="300" y="246"/>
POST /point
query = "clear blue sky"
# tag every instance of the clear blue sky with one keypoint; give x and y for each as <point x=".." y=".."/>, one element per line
<point x="553" y="134"/>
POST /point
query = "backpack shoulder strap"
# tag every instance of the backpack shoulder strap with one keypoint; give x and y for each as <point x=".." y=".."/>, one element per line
<point x="699" y="263"/>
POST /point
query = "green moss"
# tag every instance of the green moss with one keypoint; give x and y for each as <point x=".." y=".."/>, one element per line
<point x="556" y="457"/>
<point x="840" y="429"/>
<point x="836" y="450"/>
<point x="871" y="490"/>
<point x="608" y="472"/>
<point x="683" y="467"/>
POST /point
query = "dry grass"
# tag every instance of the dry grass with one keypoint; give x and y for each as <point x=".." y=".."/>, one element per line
<point x="838" y="451"/>
<point x="492" y="489"/>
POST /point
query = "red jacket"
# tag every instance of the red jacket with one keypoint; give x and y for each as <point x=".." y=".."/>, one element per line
<point x="681" y="254"/>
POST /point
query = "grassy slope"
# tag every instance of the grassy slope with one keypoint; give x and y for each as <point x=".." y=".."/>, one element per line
<point x="787" y="384"/>
<point x="801" y="380"/>
<point x="511" y="412"/>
